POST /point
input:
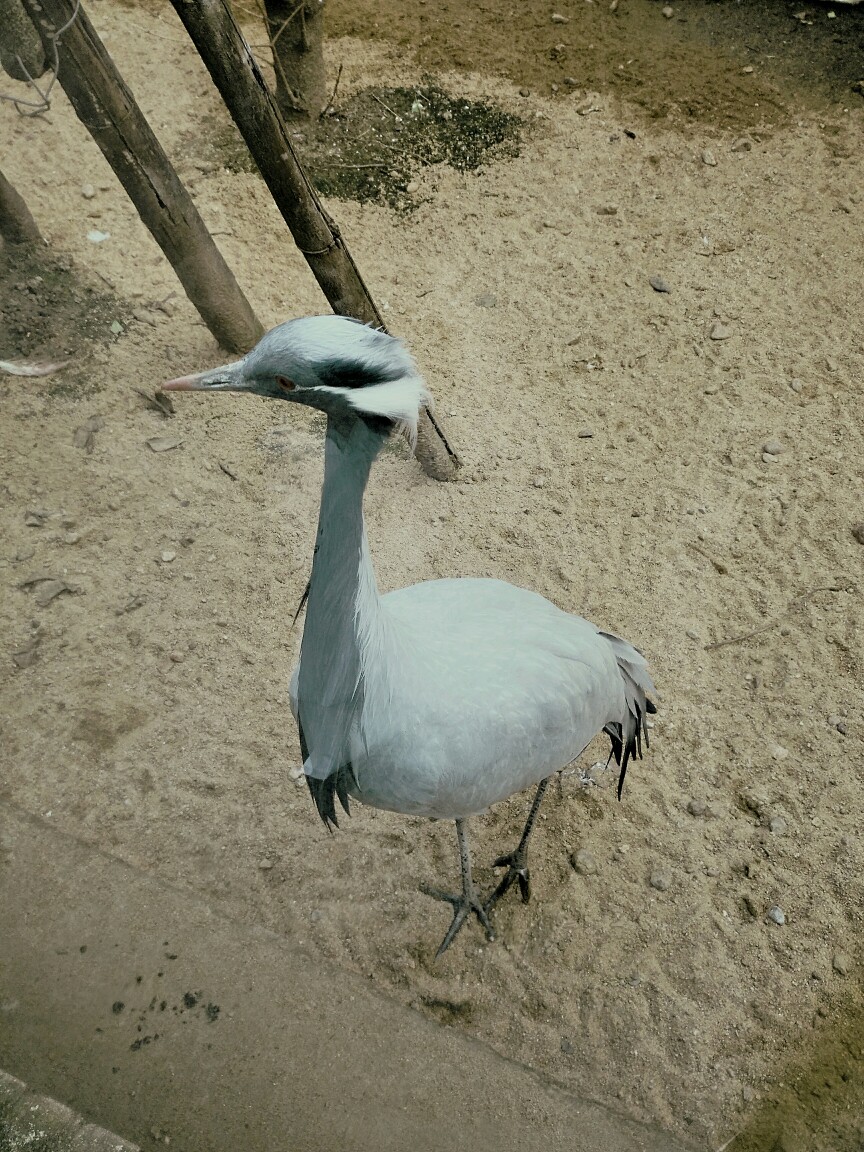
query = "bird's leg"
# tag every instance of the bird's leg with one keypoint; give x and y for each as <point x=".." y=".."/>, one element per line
<point x="467" y="902"/>
<point x="516" y="862"/>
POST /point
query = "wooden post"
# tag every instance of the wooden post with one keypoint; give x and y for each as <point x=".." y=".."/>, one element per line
<point x="17" y="226"/>
<point x="108" y="110"/>
<point x="229" y="60"/>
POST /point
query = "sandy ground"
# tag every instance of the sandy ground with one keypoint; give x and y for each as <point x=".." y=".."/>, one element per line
<point x="146" y="709"/>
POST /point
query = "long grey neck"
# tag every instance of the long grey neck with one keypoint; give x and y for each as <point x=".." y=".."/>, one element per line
<point x="343" y="609"/>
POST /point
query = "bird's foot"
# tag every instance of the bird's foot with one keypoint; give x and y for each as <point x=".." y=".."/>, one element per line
<point x="464" y="903"/>
<point x="516" y="864"/>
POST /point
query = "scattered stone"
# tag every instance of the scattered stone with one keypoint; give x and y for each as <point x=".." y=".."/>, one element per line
<point x="720" y="331"/>
<point x="692" y="634"/>
<point x="747" y="69"/>
<point x="295" y="772"/>
<point x="607" y="210"/>
<point x="696" y="807"/>
<point x="796" y="385"/>
<point x="524" y="92"/>
<point x="167" y="556"/>
<point x="767" y="458"/>
<point x="557" y="18"/>
<point x="176" y="657"/>
<point x="28" y="654"/>
<point x="163" y="443"/>
<point x="95" y="236"/>
<point x="841" y="963"/>
<point x="661" y="880"/>
<point x="539" y="482"/>
<point x="486" y="300"/>
<point x="742" y="144"/>
<point x="668" y="12"/>
<point x="584" y="862"/>
<point x="776" y="914"/>
<point x="839" y="723"/>
<point x="266" y="864"/>
<point x="116" y="327"/>
<point x="88" y="191"/>
<point x="586" y="434"/>
<point x="857" y="531"/>
<point x="774" y="447"/>
<point x="777" y="826"/>
<point x="412" y="186"/>
<point x="778" y="752"/>
<point x="85" y="436"/>
<point x="24" y="554"/>
<point x="35" y="518"/>
<point x="659" y="284"/>
<point x="709" y="158"/>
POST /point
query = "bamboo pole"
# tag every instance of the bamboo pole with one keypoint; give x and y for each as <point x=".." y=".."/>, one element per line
<point x="108" y="110"/>
<point x="229" y="60"/>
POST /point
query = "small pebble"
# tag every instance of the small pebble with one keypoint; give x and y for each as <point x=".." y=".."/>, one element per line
<point x="586" y="434"/>
<point x="778" y="752"/>
<point x="752" y="906"/>
<point x="767" y="458"/>
<point x="774" y="447"/>
<point x="742" y="144"/>
<point x="167" y="556"/>
<point x="607" y="210"/>
<point x="295" y="772"/>
<point x="176" y="657"/>
<point x="486" y="300"/>
<point x="88" y="191"/>
<point x="412" y="186"/>
<point x="777" y="826"/>
<point x="584" y="862"/>
<point x="776" y="914"/>
<point x="709" y="158"/>
<point x="668" y="12"/>
<point x="661" y="880"/>
<point x="841" y="963"/>
<point x="720" y="331"/>
<point x="557" y="18"/>
<point x="539" y="482"/>
<point x="696" y="807"/>
<point x="747" y="70"/>
<point x="857" y="532"/>
<point x="266" y="864"/>
<point x="524" y="92"/>
<point x="659" y="284"/>
<point x="796" y="385"/>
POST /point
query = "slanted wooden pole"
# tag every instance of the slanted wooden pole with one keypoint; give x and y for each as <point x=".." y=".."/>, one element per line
<point x="17" y="226"/>
<point x="230" y="62"/>
<point x="108" y="110"/>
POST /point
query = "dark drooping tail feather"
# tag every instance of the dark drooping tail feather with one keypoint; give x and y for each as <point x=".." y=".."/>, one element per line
<point x="626" y="735"/>
<point x="624" y="750"/>
<point x="324" y="792"/>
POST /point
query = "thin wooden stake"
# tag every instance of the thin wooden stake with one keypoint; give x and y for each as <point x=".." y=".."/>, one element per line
<point x="235" y="72"/>
<point x="108" y="110"/>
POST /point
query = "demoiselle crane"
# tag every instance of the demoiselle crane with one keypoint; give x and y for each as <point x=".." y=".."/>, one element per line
<point x="445" y="697"/>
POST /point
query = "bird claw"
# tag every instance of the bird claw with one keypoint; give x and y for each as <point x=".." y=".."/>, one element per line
<point x="464" y="904"/>
<point x="517" y="870"/>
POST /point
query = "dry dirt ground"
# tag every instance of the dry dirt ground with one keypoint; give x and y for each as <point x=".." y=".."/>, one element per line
<point x="145" y="707"/>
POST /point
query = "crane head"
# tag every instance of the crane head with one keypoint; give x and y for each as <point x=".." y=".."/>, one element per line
<point x="332" y="363"/>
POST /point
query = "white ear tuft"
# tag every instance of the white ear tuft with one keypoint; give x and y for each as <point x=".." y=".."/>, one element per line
<point x="397" y="400"/>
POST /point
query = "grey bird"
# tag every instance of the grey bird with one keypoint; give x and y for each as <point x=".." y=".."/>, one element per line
<point x="446" y="697"/>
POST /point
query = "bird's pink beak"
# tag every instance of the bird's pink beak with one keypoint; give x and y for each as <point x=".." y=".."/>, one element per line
<point x="227" y="378"/>
<point x="184" y="384"/>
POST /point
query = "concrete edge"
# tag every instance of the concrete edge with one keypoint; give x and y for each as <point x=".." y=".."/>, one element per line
<point x="40" y="1124"/>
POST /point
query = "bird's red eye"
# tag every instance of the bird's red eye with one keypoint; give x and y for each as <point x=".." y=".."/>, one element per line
<point x="285" y="384"/>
